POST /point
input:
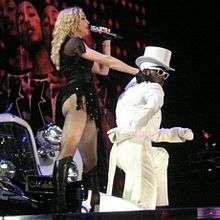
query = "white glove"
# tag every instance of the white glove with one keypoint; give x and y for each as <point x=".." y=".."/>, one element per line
<point x="185" y="133"/>
<point x="118" y="135"/>
<point x="112" y="135"/>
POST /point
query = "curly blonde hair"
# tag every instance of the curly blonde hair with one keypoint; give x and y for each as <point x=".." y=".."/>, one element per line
<point x="67" y="24"/>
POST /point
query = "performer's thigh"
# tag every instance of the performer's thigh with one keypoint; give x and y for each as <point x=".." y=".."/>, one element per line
<point x="74" y="124"/>
<point x="88" y="145"/>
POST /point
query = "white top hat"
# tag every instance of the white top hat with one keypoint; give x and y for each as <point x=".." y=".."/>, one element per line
<point x="156" y="55"/>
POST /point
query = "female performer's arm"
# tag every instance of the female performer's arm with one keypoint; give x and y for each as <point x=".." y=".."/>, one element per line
<point x="109" y="61"/>
<point x="99" y="68"/>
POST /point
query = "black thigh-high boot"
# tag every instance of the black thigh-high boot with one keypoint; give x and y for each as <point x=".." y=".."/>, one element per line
<point x="91" y="182"/>
<point x="60" y="176"/>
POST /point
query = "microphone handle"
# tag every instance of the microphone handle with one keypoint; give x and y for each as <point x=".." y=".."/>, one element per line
<point x="112" y="36"/>
<point x="107" y="35"/>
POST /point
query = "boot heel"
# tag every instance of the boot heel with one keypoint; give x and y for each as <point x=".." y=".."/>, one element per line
<point x="91" y="182"/>
<point x="95" y="201"/>
<point x="60" y="176"/>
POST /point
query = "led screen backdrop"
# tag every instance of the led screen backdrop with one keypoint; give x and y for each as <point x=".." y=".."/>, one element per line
<point x="29" y="83"/>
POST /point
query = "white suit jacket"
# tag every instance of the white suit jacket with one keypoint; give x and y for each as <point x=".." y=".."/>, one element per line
<point x="138" y="118"/>
<point x="138" y="114"/>
<point x="139" y="104"/>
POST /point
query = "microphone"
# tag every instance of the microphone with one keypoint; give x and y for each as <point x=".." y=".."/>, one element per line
<point x="107" y="35"/>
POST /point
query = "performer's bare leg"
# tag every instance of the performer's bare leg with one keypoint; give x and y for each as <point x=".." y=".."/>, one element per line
<point x="88" y="146"/>
<point x="74" y="125"/>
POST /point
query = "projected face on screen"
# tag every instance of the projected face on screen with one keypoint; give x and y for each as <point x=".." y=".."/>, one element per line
<point x="8" y="10"/>
<point x="49" y="18"/>
<point x="29" y="24"/>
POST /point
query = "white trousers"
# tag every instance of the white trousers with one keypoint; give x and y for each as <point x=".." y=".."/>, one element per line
<point x="145" y="170"/>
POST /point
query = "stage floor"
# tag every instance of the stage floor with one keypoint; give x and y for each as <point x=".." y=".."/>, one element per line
<point x="161" y="214"/>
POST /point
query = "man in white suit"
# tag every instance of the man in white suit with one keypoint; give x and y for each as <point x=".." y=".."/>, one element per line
<point x="138" y="118"/>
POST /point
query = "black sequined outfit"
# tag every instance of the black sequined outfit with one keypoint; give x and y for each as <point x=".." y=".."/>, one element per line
<point x="77" y="72"/>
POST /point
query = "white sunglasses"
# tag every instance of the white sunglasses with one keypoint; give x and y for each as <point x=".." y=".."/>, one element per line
<point x="161" y="72"/>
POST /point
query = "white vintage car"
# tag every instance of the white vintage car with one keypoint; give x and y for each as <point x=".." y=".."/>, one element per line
<point x="27" y="154"/>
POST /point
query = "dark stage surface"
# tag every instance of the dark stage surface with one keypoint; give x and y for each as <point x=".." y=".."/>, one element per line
<point x="163" y="214"/>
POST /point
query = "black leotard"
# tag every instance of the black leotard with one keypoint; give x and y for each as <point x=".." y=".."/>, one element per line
<point x="79" y="79"/>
